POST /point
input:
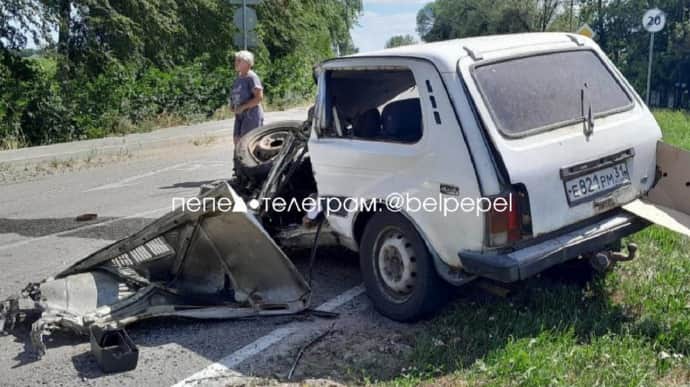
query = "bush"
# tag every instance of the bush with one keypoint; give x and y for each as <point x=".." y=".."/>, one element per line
<point x="31" y="109"/>
<point x="124" y="98"/>
<point x="35" y="110"/>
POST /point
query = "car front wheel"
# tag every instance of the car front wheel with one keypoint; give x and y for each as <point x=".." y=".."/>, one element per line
<point x="398" y="270"/>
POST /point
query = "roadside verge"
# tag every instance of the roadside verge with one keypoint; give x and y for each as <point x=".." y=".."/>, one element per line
<point x="50" y="159"/>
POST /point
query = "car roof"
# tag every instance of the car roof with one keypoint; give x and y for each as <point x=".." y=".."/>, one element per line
<point x="445" y="54"/>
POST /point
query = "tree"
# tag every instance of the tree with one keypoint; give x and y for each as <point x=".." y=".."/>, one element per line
<point x="617" y="24"/>
<point x="447" y="19"/>
<point x="21" y="20"/>
<point x="620" y="34"/>
<point x="122" y="64"/>
<point x="425" y="19"/>
<point x="401" y="40"/>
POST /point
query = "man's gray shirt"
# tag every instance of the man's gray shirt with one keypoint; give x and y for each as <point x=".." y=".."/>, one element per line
<point x="242" y="91"/>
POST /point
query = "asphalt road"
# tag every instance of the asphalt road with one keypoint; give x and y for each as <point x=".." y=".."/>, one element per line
<point x="39" y="236"/>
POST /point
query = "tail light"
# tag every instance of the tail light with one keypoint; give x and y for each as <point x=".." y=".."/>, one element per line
<point x="505" y="219"/>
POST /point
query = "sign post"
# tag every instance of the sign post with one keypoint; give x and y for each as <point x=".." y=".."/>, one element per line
<point x="653" y="21"/>
<point x="244" y="22"/>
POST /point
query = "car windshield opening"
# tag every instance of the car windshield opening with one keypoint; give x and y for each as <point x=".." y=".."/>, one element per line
<point x="373" y="105"/>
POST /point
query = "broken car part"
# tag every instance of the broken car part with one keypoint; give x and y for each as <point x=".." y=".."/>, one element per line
<point x="113" y="349"/>
<point x="206" y="264"/>
<point x="668" y="202"/>
<point x="86" y="217"/>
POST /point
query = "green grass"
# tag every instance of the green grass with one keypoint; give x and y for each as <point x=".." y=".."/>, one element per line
<point x="675" y="125"/>
<point x="629" y="328"/>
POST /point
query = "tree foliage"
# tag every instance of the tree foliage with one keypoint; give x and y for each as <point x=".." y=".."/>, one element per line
<point x="118" y="65"/>
<point x="446" y="19"/>
<point x="617" y="24"/>
<point x="400" y="40"/>
<point x="21" y="21"/>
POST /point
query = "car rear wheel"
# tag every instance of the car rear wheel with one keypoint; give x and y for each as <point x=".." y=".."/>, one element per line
<point x="398" y="270"/>
<point x="257" y="150"/>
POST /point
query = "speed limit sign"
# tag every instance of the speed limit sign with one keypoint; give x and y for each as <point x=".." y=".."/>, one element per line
<point x="654" y="20"/>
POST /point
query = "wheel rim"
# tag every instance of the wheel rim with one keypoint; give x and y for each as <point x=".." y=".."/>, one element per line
<point x="395" y="264"/>
<point x="265" y="148"/>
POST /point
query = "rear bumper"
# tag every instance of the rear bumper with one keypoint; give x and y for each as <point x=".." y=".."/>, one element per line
<point x="528" y="261"/>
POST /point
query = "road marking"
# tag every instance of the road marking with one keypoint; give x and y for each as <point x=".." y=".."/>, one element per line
<point x="82" y="228"/>
<point x="234" y="359"/>
<point x="203" y="165"/>
<point x="127" y="182"/>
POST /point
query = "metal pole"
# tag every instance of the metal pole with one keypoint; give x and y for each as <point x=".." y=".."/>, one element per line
<point x="244" y="22"/>
<point x="649" y="66"/>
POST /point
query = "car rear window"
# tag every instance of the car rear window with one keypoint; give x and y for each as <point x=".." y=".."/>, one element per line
<point x="531" y="94"/>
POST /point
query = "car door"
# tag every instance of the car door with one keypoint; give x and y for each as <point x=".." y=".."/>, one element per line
<point x="403" y="160"/>
<point x="354" y="159"/>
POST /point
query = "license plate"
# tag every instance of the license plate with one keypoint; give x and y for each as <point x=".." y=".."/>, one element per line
<point x="585" y="187"/>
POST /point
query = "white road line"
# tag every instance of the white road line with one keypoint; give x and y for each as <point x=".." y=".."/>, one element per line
<point x="127" y="181"/>
<point x="82" y="228"/>
<point x="234" y="359"/>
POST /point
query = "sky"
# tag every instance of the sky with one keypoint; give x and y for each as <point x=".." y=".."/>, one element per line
<point x="382" y="19"/>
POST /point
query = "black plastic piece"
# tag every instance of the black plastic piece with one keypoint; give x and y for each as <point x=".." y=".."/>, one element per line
<point x="114" y="349"/>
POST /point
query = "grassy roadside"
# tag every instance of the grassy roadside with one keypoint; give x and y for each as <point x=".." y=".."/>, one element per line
<point x="162" y="121"/>
<point x="630" y="328"/>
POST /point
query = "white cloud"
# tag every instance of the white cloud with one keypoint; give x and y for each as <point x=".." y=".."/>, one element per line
<point x="375" y="29"/>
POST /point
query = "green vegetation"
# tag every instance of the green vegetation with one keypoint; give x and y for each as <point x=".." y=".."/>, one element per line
<point x="675" y="126"/>
<point x="400" y="40"/>
<point x="629" y="328"/>
<point x="132" y="65"/>
<point x="617" y="25"/>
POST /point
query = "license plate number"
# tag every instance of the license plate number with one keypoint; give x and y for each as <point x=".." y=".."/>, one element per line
<point x="587" y="186"/>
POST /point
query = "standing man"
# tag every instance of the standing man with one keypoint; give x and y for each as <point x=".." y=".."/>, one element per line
<point x="246" y="96"/>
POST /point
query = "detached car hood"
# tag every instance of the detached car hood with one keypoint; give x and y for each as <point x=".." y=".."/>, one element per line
<point x="207" y="264"/>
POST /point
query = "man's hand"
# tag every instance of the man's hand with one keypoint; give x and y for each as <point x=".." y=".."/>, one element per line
<point x="239" y="109"/>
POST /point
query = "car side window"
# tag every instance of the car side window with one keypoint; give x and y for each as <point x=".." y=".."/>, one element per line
<point x="373" y="105"/>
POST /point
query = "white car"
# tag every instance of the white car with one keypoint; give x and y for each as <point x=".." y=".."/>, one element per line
<point x="545" y="120"/>
<point x="529" y="150"/>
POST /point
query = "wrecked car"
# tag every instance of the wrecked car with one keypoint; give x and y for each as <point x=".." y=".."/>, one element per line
<point x="543" y="123"/>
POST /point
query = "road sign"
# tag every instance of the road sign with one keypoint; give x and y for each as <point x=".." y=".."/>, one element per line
<point x="653" y="21"/>
<point x="245" y="20"/>
<point x="249" y="18"/>
<point x="252" y="39"/>
<point x="585" y="30"/>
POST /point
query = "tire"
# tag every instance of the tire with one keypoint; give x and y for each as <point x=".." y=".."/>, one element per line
<point x="400" y="291"/>
<point x="256" y="150"/>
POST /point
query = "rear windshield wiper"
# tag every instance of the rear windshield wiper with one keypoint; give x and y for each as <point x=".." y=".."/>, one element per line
<point x="587" y="121"/>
